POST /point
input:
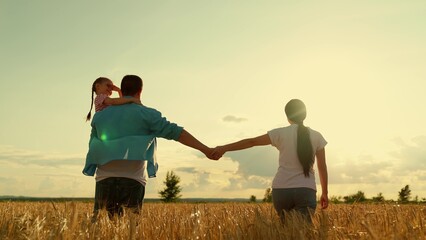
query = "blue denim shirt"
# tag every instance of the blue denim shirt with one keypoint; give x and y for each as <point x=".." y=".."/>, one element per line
<point x="127" y="132"/>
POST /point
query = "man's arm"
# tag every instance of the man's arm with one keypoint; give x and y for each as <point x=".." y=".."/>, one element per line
<point x="188" y="140"/>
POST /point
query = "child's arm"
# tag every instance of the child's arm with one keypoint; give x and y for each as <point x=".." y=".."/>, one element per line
<point x="117" y="89"/>
<point x="121" y="101"/>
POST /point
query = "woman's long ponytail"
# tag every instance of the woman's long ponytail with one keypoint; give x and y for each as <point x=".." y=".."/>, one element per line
<point x="296" y="112"/>
<point x="304" y="149"/>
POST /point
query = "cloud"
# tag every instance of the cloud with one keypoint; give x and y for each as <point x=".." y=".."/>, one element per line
<point x="257" y="161"/>
<point x="231" y="118"/>
<point x="58" y="175"/>
<point x="200" y="182"/>
<point x="12" y="155"/>
<point x="203" y="179"/>
<point x="362" y="170"/>
<point x="187" y="169"/>
<point x="410" y="157"/>
<point x="256" y="168"/>
<point x="8" y="181"/>
<point x="46" y="184"/>
<point x="9" y="185"/>
<point x="239" y="183"/>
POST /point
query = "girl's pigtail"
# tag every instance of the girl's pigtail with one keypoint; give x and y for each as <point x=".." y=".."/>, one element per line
<point x="89" y="115"/>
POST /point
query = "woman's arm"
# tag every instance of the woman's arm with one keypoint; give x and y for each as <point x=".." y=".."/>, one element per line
<point x="323" y="175"/>
<point x="243" y="144"/>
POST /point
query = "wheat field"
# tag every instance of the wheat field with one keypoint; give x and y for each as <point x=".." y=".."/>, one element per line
<point x="73" y="220"/>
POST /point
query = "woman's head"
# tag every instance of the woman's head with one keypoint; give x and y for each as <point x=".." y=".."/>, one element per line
<point x="295" y="110"/>
<point x="102" y="85"/>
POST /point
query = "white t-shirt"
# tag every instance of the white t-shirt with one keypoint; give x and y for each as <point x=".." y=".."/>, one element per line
<point x="290" y="170"/>
<point x="133" y="169"/>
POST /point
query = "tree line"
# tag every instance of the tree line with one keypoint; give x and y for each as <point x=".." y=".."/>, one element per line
<point x="404" y="196"/>
<point x="172" y="190"/>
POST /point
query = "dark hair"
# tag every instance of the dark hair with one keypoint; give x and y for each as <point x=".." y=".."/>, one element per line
<point x="295" y="110"/>
<point x="97" y="81"/>
<point x="130" y="85"/>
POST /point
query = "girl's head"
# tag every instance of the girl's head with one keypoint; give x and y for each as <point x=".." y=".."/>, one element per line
<point x="295" y="110"/>
<point x="101" y="85"/>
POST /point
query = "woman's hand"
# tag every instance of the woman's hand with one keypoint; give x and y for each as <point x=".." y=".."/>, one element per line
<point x="324" y="201"/>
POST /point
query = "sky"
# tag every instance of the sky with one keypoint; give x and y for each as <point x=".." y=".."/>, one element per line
<point x="223" y="70"/>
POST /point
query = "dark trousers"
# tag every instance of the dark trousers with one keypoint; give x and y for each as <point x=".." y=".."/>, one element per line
<point x="301" y="200"/>
<point x="114" y="193"/>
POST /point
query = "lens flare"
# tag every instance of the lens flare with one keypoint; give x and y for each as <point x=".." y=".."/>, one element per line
<point x="103" y="137"/>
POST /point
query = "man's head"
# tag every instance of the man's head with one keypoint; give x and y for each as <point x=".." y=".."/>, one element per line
<point x="131" y="85"/>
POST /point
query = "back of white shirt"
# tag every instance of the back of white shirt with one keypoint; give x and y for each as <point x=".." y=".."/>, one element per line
<point x="133" y="169"/>
<point x="290" y="170"/>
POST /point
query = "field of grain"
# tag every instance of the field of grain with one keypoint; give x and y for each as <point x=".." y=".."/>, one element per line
<point x="73" y="220"/>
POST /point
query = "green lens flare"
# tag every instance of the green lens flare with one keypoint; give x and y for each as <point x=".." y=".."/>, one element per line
<point x="103" y="137"/>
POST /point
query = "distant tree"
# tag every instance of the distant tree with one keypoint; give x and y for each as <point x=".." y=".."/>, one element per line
<point x="252" y="198"/>
<point x="405" y="194"/>
<point x="357" y="197"/>
<point x="268" y="195"/>
<point x="379" y="198"/>
<point x="336" y="199"/>
<point x="171" y="192"/>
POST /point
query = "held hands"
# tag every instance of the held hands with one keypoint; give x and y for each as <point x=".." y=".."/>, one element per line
<point x="214" y="153"/>
<point x="218" y="152"/>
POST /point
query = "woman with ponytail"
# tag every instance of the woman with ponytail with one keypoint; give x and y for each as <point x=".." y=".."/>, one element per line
<point x="293" y="187"/>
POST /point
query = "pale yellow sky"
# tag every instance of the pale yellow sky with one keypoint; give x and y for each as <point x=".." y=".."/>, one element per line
<point x="359" y="67"/>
